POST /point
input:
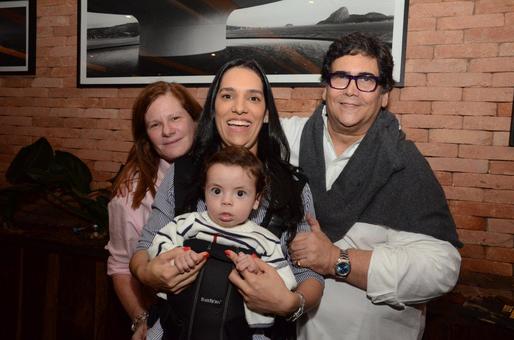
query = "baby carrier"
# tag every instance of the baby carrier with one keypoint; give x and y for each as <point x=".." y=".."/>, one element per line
<point x="211" y="303"/>
<point x="212" y="308"/>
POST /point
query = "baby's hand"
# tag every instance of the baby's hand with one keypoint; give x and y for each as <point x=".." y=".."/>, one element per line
<point x="246" y="262"/>
<point x="188" y="260"/>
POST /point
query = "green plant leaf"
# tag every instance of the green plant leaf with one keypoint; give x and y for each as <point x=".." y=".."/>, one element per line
<point x="99" y="210"/>
<point x="61" y="178"/>
<point x="8" y="205"/>
<point x="51" y="177"/>
<point x="37" y="155"/>
<point x="95" y="210"/>
<point x="11" y="197"/>
<point x="75" y="170"/>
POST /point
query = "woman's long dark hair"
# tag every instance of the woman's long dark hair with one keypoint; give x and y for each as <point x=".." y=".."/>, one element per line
<point x="273" y="151"/>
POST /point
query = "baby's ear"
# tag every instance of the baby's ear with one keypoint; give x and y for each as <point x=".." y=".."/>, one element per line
<point x="257" y="202"/>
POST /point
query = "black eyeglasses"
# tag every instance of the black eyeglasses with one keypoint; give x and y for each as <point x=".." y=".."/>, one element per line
<point x="340" y="80"/>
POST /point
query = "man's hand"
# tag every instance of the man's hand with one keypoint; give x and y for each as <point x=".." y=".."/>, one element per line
<point x="314" y="250"/>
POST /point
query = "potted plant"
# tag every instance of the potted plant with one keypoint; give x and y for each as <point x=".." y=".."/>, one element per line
<point x="57" y="177"/>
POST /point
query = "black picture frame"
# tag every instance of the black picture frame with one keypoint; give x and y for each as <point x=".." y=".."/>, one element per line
<point x="18" y="37"/>
<point x="187" y="41"/>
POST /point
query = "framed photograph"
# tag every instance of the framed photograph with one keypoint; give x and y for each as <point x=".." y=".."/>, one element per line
<point x="18" y="37"/>
<point x="136" y="42"/>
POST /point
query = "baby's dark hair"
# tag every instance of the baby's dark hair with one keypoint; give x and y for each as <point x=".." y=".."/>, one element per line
<point x="238" y="156"/>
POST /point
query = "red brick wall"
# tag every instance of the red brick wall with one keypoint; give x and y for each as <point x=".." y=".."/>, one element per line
<point x="456" y="105"/>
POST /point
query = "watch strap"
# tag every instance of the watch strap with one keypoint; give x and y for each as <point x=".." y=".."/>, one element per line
<point x="343" y="255"/>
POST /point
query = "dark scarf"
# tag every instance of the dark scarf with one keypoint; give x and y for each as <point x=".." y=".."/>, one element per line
<point x="386" y="182"/>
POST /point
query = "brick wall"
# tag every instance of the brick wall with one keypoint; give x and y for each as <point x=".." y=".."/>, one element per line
<point x="456" y="105"/>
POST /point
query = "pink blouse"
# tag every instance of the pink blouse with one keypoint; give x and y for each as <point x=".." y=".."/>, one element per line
<point x="125" y="225"/>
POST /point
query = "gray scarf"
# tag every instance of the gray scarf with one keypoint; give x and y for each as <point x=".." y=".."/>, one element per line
<point x="386" y="182"/>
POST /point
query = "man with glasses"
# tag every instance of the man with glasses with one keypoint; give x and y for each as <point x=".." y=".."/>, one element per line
<point x="387" y="241"/>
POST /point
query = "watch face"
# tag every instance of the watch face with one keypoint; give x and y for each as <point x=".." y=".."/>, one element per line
<point x="343" y="269"/>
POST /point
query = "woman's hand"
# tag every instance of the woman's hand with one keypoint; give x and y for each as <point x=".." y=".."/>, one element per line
<point x="140" y="333"/>
<point x="264" y="292"/>
<point x="161" y="274"/>
<point x="314" y="250"/>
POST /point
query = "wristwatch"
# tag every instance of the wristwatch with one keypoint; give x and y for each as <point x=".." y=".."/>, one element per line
<point x="343" y="266"/>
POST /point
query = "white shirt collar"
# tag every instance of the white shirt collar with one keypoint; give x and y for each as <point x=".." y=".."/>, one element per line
<point x="334" y="164"/>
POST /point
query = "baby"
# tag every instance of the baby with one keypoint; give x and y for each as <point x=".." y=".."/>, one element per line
<point x="234" y="181"/>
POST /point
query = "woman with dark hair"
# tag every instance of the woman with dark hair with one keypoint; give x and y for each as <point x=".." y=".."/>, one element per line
<point x="164" y="119"/>
<point x="238" y="101"/>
